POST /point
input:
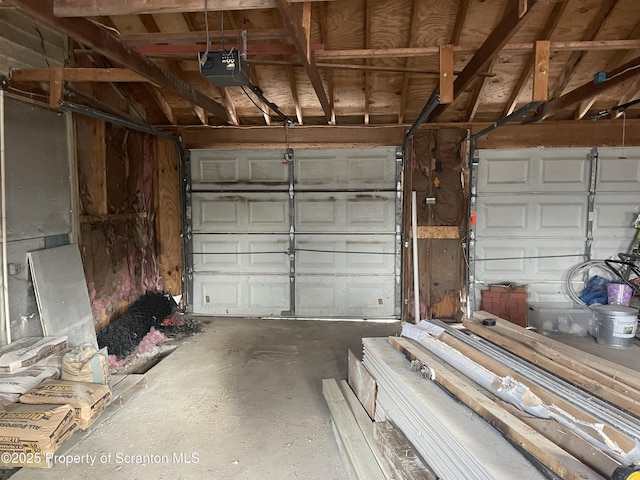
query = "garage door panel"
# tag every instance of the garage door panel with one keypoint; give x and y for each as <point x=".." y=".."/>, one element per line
<point x="355" y="296"/>
<point x="526" y="262"/>
<point x="241" y="253"/>
<point x="356" y="168"/>
<point x="618" y="170"/>
<point x="345" y="212"/>
<point x="241" y="294"/>
<point x="615" y="215"/>
<point x="533" y="215"/>
<point x="243" y="170"/>
<point x="245" y="212"/>
<point x="533" y="170"/>
<point x="336" y="254"/>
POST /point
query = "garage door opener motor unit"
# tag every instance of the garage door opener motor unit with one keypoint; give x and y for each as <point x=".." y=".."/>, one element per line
<point x="225" y="68"/>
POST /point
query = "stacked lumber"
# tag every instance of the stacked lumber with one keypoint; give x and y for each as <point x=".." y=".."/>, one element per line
<point x="489" y="400"/>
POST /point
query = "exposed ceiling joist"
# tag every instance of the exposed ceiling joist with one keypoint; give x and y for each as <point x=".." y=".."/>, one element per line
<point x="293" y="23"/>
<point x="79" y="75"/>
<point x="628" y="71"/>
<point x="92" y="8"/>
<point x="413" y="27"/>
<point x="111" y="47"/>
<point x="507" y="27"/>
<point x="201" y="36"/>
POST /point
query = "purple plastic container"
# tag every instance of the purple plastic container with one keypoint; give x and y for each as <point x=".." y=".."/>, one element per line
<point x="619" y="294"/>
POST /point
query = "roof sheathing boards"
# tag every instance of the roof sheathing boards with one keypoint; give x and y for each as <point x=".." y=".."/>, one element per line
<point x="26" y="44"/>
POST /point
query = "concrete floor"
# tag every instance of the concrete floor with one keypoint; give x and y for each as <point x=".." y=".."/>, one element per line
<point x="241" y="400"/>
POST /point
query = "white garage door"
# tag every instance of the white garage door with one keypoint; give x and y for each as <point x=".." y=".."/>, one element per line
<point x="534" y="211"/>
<point x="311" y="233"/>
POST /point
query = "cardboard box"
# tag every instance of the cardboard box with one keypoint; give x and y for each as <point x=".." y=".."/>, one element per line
<point x="29" y="433"/>
<point x="88" y="399"/>
<point x="27" y="351"/>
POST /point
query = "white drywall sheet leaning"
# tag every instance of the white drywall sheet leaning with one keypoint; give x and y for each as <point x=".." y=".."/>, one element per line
<point x="61" y="293"/>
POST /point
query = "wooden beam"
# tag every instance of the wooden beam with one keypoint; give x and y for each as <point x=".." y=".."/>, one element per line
<point x="293" y="23"/>
<point x="362" y="383"/>
<point x="306" y="25"/>
<point x="545" y="34"/>
<point x="446" y="74"/>
<point x="193" y="50"/>
<point x="294" y="94"/>
<point x="201" y="114"/>
<point x="461" y="16"/>
<point x="78" y="75"/>
<point x="603" y="133"/>
<point x="162" y="104"/>
<point x="308" y="136"/>
<point x="628" y="71"/>
<point x="475" y="99"/>
<point x="413" y="27"/>
<point x="105" y="43"/>
<point x="92" y="8"/>
<point x="541" y="72"/>
<point x="514" y="48"/>
<point x="400" y="455"/>
<point x="328" y="75"/>
<point x="56" y="87"/>
<point x="584" y="107"/>
<point x="501" y="34"/>
<point x="229" y="105"/>
<point x="569" y="68"/>
<point x="201" y="37"/>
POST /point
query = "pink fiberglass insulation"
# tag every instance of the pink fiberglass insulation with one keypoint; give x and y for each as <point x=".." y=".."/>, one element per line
<point x="149" y="342"/>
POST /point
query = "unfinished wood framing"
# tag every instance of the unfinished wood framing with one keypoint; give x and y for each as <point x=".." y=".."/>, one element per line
<point x="541" y="72"/>
<point x="168" y="215"/>
<point x="446" y="74"/>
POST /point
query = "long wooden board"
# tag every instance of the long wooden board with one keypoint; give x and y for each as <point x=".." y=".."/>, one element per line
<point x="360" y="456"/>
<point x="554" y="457"/>
<point x="570" y="356"/>
<point x="595" y="382"/>
<point x="363" y="384"/>
<point x="400" y="454"/>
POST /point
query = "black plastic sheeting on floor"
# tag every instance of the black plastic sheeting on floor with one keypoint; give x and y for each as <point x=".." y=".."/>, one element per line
<point x="123" y="334"/>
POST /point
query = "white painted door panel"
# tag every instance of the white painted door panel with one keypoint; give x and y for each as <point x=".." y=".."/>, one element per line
<point x="618" y="170"/>
<point x="241" y="253"/>
<point x="346" y="168"/>
<point x="241" y="294"/>
<point x="533" y="170"/>
<point x="345" y="212"/>
<point x="240" y="169"/>
<point x="266" y="212"/>
<point x="345" y="295"/>
<point x="531" y="215"/>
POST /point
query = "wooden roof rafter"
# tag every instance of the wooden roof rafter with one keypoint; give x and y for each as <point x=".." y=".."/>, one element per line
<point x="107" y="44"/>
<point x="516" y="14"/>
<point x="413" y="26"/>
<point x="624" y="73"/>
<point x="616" y="60"/>
<point x="293" y="23"/>
<point x="545" y="34"/>
<point x="367" y="42"/>
<point x="328" y="75"/>
<point x="91" y="8"/>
